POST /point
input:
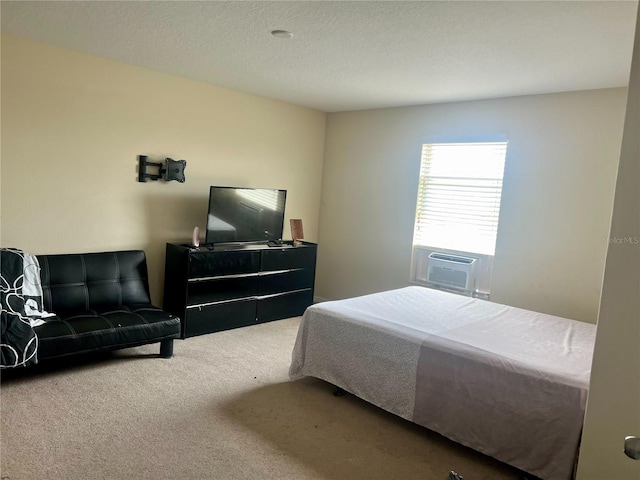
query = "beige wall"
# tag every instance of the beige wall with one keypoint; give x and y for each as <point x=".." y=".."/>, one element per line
<point x="558" y="193"/>
<point x="613" y="409"/>
<point x="73" y="126"/>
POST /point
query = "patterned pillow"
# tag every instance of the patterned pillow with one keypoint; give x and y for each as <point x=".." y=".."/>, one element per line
<point x="18" y="341"/>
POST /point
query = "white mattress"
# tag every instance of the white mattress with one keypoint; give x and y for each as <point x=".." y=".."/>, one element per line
<point x="505" y="381"/>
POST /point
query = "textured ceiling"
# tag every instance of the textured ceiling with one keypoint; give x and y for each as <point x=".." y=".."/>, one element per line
<point x="352" y="55"/>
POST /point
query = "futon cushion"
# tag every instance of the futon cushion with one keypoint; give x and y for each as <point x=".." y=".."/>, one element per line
<point x="76" y="282"/>
<point x="104" y="329"/>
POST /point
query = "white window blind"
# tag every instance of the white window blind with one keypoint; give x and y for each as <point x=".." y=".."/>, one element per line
<point x="459" y="196"/>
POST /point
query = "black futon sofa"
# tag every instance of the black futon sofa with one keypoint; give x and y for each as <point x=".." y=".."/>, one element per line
<point x="101" y="301"/>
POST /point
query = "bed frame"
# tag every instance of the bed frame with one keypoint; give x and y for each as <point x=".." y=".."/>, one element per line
<point x="504" y="381"/>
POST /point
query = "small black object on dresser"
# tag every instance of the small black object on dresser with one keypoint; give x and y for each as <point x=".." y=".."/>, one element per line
<point x="227" y="286"/>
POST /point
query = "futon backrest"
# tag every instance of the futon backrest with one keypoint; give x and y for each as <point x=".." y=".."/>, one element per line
<point x="78" y="282"/>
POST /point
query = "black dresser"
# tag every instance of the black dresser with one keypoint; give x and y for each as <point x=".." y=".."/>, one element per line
<point x="222" y="287"/>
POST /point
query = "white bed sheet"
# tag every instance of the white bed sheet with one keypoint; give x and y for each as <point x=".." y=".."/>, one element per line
<point x="505" y="381"/>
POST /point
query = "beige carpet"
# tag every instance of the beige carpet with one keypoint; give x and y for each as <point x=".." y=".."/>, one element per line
<point x="221" y="408"/>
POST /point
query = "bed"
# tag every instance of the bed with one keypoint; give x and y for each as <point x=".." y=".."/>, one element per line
<point x="507" y="382"/>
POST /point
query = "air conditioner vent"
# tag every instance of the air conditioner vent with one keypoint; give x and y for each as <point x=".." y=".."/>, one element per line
<point x="452" y="271"/>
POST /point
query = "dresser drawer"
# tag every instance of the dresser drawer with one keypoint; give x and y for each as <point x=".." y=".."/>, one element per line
<point x="284" y="305"/>
<point x="222" y="288"/>
<point x="207" y="264"/>
<point x="286" y="258"/>
<point x="221" y="316"/>
<point x="284" y="281"/>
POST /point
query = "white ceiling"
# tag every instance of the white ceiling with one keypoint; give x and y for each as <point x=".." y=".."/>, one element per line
<point x="352" y="55"/>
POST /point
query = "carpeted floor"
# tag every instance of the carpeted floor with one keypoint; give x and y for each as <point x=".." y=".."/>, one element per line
<point x="221" y="408"/>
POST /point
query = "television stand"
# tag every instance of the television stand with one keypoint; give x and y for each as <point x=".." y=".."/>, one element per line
<point x="220" y="287"/>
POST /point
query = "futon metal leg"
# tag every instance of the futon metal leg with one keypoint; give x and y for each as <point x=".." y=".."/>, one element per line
<point x="166" y="348"/>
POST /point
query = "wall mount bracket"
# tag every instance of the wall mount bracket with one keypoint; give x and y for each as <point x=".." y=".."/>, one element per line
<point x="170" y="170"/>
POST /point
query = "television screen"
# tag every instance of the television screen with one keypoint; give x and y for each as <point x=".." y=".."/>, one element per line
<point x="239" y="214"/>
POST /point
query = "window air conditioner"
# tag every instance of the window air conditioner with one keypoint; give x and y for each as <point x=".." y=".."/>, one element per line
<point x="452" y="271"/>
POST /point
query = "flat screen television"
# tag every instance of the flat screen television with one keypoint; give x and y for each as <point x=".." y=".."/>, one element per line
<point x="238" y="214"/>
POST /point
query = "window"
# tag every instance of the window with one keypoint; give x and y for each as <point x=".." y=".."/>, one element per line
<point x="459" y="196"/>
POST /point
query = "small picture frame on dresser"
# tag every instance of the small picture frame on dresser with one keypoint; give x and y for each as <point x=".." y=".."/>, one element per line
<point x="297" y="232"/>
